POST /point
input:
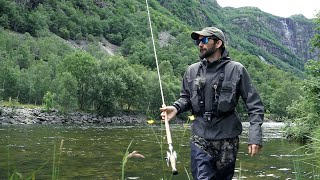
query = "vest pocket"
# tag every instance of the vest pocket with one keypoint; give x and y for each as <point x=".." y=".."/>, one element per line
<point x="194" y="97"/>
<point x="227" y="96"/>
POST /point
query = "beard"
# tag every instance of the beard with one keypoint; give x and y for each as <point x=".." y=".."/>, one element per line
<point x="204" y="53"/>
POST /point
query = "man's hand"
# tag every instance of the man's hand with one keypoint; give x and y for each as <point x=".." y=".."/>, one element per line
<point x="254" y="149"/>
<point x="171" y="112"/>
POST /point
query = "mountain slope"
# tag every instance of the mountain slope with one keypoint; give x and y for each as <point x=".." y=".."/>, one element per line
<point x="98" y="55"/>
<point x="283" y="42"/>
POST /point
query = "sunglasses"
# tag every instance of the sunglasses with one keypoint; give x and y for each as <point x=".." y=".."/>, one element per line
<point x="204" y="40"/>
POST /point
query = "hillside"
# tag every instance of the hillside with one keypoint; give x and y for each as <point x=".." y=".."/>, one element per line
<point x="98" y="56"/>
<point x="283" y="42"/>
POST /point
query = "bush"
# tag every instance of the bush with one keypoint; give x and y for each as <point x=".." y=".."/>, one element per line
<point x="48" y="100"/>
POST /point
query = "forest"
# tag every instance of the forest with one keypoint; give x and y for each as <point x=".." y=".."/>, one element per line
<point x="53" y="53"/>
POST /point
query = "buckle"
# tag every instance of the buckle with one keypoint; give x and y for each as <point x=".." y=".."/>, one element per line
<point x="208" y="116"/>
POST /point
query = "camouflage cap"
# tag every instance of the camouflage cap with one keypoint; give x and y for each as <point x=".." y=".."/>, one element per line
<point x="209" y="31"/>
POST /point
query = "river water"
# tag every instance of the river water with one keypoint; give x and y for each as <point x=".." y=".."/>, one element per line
<point x="95" y="152"/>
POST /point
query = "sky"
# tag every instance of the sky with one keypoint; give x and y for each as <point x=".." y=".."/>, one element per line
<point x="282" y="8"/>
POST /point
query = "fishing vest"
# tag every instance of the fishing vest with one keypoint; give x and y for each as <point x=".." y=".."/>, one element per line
<point x="209" y="87"/>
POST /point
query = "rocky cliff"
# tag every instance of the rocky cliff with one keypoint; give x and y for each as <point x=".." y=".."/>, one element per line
<point x="283" y="42"/>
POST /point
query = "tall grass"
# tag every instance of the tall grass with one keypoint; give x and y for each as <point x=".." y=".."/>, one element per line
<point x="12" y="102"/>
<point x="316" y="145"/>
<point x="161" y="144"/>
<point x="56" y="162"/>
<point x="310" y="160"/>
<point x="8" y="152"/>
<point x="124" y="160"/>
<point x="187" y="173"/>
<point x="240" y="169"/>
<point x="55" y="165"/>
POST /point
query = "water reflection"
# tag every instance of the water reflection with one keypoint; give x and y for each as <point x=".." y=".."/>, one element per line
<point x="93" y="152"/>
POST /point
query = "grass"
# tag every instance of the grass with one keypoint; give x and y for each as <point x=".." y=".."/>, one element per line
<point x="124" y="160"/>
<point x="17" y="104"/>
<point x="161" y="143"/>
<point x="240" y="169"/>
<point x="311" y="159"/>
<point x="55" y="165"/>
<point x="316" y="145"/>
<point x="187" y="173"/>
<point x="8" y="153"/>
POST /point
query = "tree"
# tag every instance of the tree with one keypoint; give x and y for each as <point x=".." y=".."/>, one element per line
<point x="40" y="80"/>
<point x="134" y="87"/>
<point x="110" y="85"/>
<point x="83" y="67"/>
<point x="283" y="97"/>
<point x="316" y="39"/>
<point x="66" y="92"/>
<point x="9" y="75"/>
<point x="305" y="113"/>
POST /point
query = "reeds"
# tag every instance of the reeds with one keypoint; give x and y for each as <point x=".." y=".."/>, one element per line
<point x="161" y="144"/>
<point x="124" y="160"/>
<point x="311" y="158"/>
<point x="56" y="164"/>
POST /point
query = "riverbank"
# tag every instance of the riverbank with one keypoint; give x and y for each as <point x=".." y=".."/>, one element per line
<point x="18" y="115"/>
<point x="22" y="115"/>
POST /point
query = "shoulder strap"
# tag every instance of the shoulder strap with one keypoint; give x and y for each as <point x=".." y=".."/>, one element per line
<point x="221" y="78"/>
<point x="218" y="88"/>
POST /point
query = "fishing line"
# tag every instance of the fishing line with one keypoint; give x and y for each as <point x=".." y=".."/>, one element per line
<point x="171" y="154"/>
<point x="155" y="53"/>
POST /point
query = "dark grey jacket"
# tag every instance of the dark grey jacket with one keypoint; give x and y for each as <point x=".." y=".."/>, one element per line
<point x="236" y="82"/>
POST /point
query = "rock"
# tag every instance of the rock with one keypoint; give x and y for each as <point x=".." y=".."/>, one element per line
<point x="38" y="116"/>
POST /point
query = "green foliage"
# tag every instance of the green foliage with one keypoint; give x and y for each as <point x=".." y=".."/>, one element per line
<point x="134" y="88"/>
<point x="316" y="145"/>
<point x="9" y="75"/>
<point x="109" y="85"/>
<point x="125" y="160"/>
<point x="316" y="39"/>
<point x="305" y="112"/>
<point x="82" y="66"/>
<point x="283" y="97"/>
<point x="66" y="92"/>
<point x="40" y="55"/>
<point x="56" y="161"/>
<point x="188" y="11"/>
<point x="277" y="89"/>
<point x="13" y="103"/>
<point x="48" y="100"/>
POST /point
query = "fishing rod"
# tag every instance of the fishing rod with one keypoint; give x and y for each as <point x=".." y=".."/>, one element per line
<point x="171" y="154"/>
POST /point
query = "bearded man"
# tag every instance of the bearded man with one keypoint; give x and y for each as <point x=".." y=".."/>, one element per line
<point x="211" y="89"/>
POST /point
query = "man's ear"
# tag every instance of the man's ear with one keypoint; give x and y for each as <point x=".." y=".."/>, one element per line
<point x="218" y="44"/>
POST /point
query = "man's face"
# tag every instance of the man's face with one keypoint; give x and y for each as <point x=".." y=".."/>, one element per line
<point x="207" y="47"/>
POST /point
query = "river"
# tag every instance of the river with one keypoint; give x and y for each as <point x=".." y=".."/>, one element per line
<point x="95" y="152"/>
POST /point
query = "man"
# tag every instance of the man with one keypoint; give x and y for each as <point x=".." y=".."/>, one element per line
<point x="211" y="89"/>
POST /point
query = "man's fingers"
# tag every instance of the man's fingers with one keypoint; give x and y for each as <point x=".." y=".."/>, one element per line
<point x="163" y="109"/>
<point x="254" y="149"/>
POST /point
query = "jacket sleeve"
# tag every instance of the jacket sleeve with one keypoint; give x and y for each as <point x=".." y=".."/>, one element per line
<point x="254" y="107"/>
<point x="183" y="103"/>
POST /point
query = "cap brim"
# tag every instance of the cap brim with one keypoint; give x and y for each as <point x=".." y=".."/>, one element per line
<point x="195" y="34"/>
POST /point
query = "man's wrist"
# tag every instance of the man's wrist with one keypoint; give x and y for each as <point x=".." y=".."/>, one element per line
<point x="177" y="107"/>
